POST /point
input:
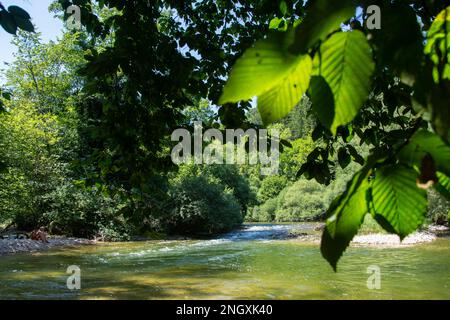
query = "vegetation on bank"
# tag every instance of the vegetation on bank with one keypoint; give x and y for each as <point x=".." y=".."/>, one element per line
<point x="85" y="121"/>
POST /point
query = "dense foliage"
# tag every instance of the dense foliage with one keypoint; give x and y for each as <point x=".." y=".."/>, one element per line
<point x="387" y="85"/>
<point x="85" y="121"/>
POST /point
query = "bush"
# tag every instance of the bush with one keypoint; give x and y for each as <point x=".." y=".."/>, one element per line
<point x="438" y="208"/>
<point x="271" y="187"/>
<point x="202" y="204"/>
<point x="267" y="211"/>
<point x="303" y="201"/>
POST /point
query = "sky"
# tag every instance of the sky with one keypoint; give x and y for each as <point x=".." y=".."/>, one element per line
<point x="43" y="20"/>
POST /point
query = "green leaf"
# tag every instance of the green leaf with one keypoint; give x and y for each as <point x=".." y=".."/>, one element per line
<point x="322" y="100"/>
<point x="258" y="70"/>
<point x="24" y="24"/>
<point x="399" y="43"/>
<point x="355" y="155"/>
<point x="344" y="158"/>
<point x="278" y="24"/>
<point x="443" y="186"/>
<point x="283" y="8"/>
<point x="345" y="216"/>
<point x="398" y="200"/>
<point x="19" y="12"/>
<point x="7" y="21"/>
<point x="425" y="142"/>
<point x="323" y="17"/>
<point x="287" y="93"/>
<point x="6" y="95"/>
<point x="438" y="44"/>
<point x="269" y="71"/>
<point x="345" y="62"/>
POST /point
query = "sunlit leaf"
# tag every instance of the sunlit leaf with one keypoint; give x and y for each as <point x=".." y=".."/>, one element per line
<point x="281" y="99"/>
<point x="443" y="186"/>
<point x="345" y="216"/>
<point x="425" y="142"/>
<point x="269" y="71"/>
<point x="438" y="44"/>
<point x="259" y="69"/>
<point x="323" y="18"/>
<point x="398" y="200"/>
<point x="345" y="63"/>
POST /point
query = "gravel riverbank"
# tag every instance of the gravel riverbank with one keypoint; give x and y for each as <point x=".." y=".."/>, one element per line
<point x="394" y="240"/>
<point x="386" y="240"/>
<point x="8" y="246"/>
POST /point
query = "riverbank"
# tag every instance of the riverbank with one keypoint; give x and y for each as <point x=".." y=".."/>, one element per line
<point x="8" y="246"/>
<point x="430" y="234"/>
<point x="310" y="234"/>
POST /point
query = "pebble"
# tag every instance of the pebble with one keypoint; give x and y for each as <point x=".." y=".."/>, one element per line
<point x="394" y="240"/>
<point x="26" y="245"/>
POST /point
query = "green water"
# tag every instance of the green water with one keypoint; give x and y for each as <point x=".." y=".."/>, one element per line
<point x="241" y="265"/>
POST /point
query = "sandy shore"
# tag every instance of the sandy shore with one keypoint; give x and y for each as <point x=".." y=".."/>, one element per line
<point x="387" y="240"/>
<point x="393" y="240"/>
<point x="8" y="246"/>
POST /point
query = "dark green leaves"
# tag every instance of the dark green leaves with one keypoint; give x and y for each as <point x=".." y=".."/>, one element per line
<point x="15" y="17"/>
<point x="398" y="200"/>
<point x="345" y="64"/>
<point x="355" y="155"/>
<point x="323" y="18"/>
<point x="423" y="143"/>
<point x="344" y="158"/>
<point x="7" y="21"/>
<point x="19" y="12"/>
<point x="399" y="41"/>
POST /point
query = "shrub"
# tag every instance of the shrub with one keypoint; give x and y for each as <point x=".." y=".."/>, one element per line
<point x="303" y="201"/>
<point x="438" y="208"/>
<point x="271" y="187"/>
<point x="85" y="212"/>
<point x="202" y="204"/>
<point x="267" y="211"/>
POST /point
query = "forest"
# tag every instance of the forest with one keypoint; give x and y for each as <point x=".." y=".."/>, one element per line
<point x="363" y="116"/>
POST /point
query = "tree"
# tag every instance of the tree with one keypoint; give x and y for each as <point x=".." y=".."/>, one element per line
<point x="163" y="56"/>
<point x="40" y="140"/>
<point x="386" y="86"/>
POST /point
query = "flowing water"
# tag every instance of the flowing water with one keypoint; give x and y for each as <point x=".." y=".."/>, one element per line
<point x="256" y="262"/>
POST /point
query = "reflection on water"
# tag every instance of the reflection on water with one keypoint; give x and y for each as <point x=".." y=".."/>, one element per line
<point x="255" y="262"/>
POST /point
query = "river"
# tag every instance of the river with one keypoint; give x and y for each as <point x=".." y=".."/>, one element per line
<point x="255" y="262"/>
